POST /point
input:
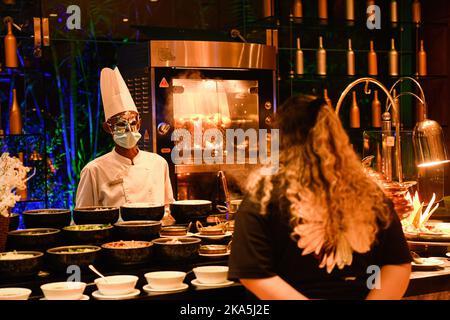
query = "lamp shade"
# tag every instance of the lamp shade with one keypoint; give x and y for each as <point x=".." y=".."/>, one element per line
<point x="429" y="144"/>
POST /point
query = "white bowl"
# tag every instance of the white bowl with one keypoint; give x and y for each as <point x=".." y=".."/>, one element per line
<point x="14" y="293"/>
<point x="165" y="279"/>
<point x="211" y="274"/>
<point x="63" y="290"/>
<point x="116" y="285"/>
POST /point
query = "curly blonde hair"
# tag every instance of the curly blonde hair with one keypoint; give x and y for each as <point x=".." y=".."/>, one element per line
<point x="335" y="207"/>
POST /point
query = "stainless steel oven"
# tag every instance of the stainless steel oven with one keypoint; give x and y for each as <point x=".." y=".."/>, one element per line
<point x="179" y="84"/>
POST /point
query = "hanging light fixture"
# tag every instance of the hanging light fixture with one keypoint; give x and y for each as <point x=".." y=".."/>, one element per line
<point x="428" y="136"/>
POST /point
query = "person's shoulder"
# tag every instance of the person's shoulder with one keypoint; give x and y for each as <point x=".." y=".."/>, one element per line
<point x="153" y="156"/>
<point x="95" y="163"/>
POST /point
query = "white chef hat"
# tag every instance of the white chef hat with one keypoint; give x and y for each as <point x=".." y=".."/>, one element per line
<point x="115" y="94"/>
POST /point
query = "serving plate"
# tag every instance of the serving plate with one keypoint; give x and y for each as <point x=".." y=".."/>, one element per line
<point x="197" y="283"/>
<point x="84" y="297"/>
<point x="428" y="263"/>
<point x="189" y="234"/>
<point x="433" y="237"/>
<point x="213" y="255"/>
<point x="97" y="295"/>
<point x="147" y="288"/>
<point x="214" y="237"/>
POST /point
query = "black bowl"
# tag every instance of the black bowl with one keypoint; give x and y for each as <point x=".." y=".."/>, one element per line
<point x="176" y="250"/>
<point x="60" y="258"/>
<point x="127" y="256"/>
<point x="47" y="218"/>
<point x="14" y="220"/>
<point x="96" y="215"/>
<point x="36" y="239"/>
<point x="93" y="234"/>
<point x="185" y="211"/>
<point x="25" y="267"/>
<point x="142" y="211"/>
<point x="144" y="230"/>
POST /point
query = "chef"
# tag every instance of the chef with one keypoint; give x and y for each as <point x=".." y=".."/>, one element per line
<point x="126" y="174"/>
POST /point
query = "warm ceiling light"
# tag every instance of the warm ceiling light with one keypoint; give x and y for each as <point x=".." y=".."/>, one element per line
<point x="53" y="15"/>
<point x="125" y="19"/>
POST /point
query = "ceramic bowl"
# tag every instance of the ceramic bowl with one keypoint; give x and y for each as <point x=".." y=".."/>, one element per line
<point x="47" y="218"/>
<point x="14" y="293"/>
<point x="116" y="285"/>
<point x="60" y="258"/>
<point x="211" y="274"/>
<point x="165" y="279"/>
<point x="18" y="264"/>
<point x="129" y="252"/>
<point x="63" y="290"/>
<point x="93" y="234"/>
<point x="185" y="211"/>
<point x="144" y="230"/>
<point x="169" y="250"/>
<point x="142" y="211"/>
<point x="96" y="215"/>
<point x="36" y="239"/>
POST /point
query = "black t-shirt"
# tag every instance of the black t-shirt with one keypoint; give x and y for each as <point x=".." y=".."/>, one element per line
<point x="262" y="247"/>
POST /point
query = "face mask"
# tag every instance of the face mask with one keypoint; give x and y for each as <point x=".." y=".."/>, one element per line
<point x="127" y="139"/>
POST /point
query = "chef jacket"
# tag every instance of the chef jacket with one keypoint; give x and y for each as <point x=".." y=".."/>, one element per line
<point x="113" y="180"/>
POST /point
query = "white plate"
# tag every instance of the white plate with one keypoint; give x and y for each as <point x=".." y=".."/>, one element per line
<point x="428" y="263"/>
<point x="197" y="283"/>
<point x="98" y="295"/>
<point x="189" y="234"/>
<point x="84" y="297"/>
<point x="448" y="254"/>
<point x="212" y="255"/>
<point x="149" y="289"/>
<point x="215" y="237"/>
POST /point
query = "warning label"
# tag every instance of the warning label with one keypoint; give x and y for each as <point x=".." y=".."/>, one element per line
<point x="163" y="83"/>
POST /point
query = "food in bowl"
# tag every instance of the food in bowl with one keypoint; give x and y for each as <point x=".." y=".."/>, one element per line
<point x="88" y="227"/>
<point x="14" y="255"/>
<point x="116" y="285"/>
<point x="93" y="234"/>
<point x="176" y="249"/>
<point x="34" y="232"/>
<point x="165" y="279"/>
<point x="14" y="293"/>
<point x="63" y="290"/>
<point x="76" y="249"/>
<point x="174" y="231"/>
<point x="38" y="239"/>
<point x="20" y="263"/>
<point x="127" y="244"/>
<point x="60" y="258"/>
<point x="211" y="274"/>
<point x="213" y="249"/>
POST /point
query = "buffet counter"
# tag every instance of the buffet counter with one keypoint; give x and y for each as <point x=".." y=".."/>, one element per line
<point x="427" y="285"/>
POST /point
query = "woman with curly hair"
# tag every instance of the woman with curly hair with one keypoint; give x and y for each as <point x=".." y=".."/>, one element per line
<point x="318" y="228"/>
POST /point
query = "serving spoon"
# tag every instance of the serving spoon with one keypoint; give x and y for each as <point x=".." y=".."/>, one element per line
<point x="97" y="272"/>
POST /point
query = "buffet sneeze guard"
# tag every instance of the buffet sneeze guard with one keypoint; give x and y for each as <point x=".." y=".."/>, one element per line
<point x="196" y="86"/>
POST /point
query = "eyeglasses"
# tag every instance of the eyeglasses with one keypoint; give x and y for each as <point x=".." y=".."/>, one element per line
<point x="121" y="125"/>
